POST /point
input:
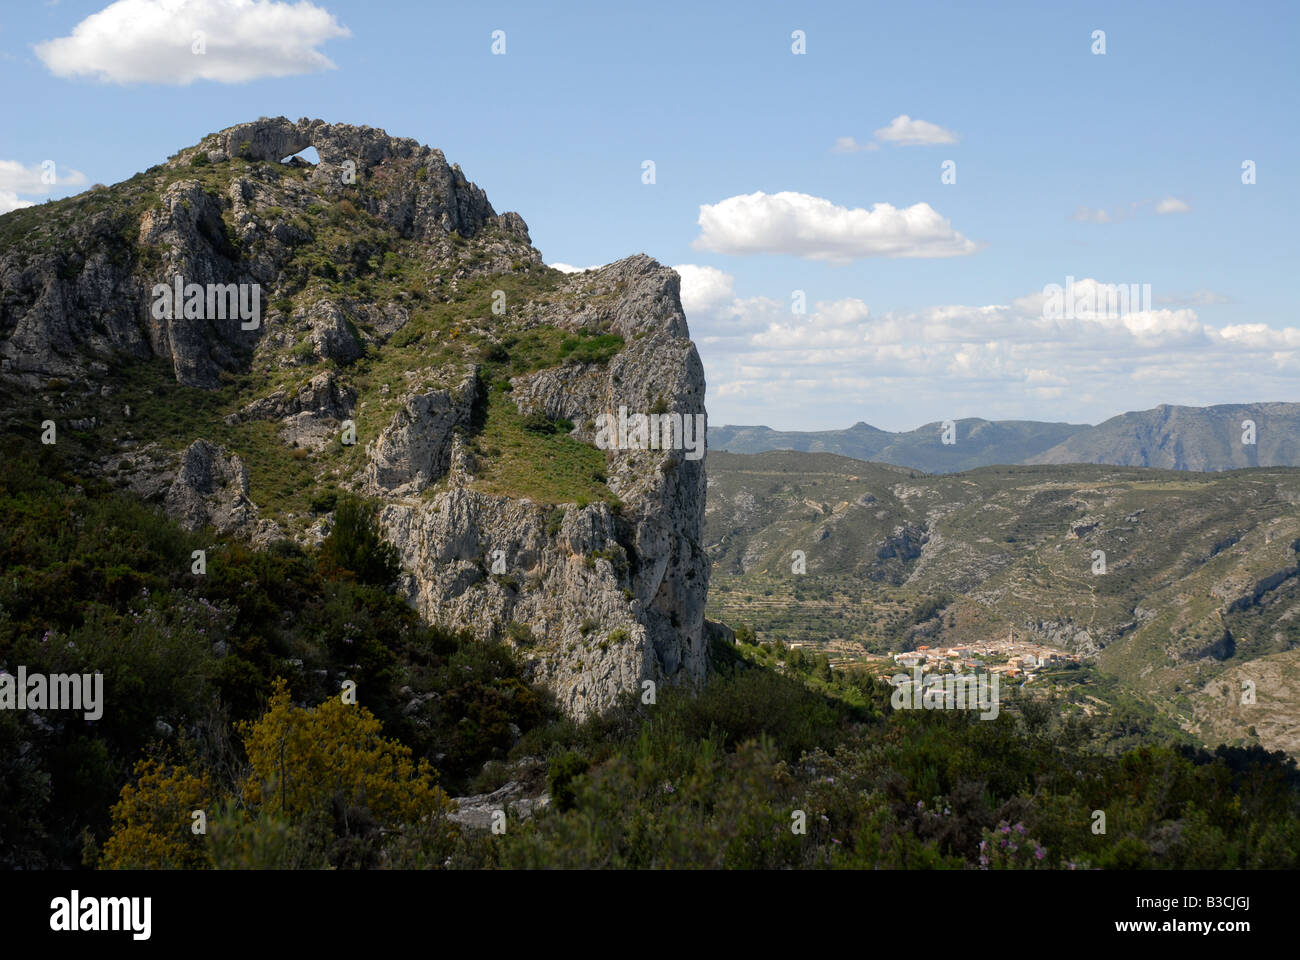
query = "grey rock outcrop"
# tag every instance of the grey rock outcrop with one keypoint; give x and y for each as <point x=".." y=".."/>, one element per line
<point x="309" y="418"/>
<point x="479" y="811"/>
<point x="612" y="600"/>
<point x="415" y="449"/>
<point x="329" y="333"/>
<point x="88" y="297"/>
<point x="435" y="200"/>
<point x="211" y="487"/>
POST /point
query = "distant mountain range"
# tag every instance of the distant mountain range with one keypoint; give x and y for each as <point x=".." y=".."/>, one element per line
<point x="1169" y="437"/>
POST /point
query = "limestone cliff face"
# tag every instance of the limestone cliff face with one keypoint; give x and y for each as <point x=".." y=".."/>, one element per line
<point x="372" y="268"/>
<point x="613" y="599"/>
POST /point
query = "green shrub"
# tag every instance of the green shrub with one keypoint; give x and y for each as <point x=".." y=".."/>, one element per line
<point x="554" y="521"/>
<point x="323" y="502"/>
<point x="596" y="349"/>
<point x="355" y="549"/>
<point x="520" y="634"/>
<point x="538" y="422"/>
<point x="561" y="773"/>
<point x="616" y="556"/>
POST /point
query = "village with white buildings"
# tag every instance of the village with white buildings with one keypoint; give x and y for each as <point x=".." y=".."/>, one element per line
<point x="1012" y="658"/>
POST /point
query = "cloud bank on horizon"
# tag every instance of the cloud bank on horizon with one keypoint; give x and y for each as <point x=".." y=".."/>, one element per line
<point x="1013" y="360"/>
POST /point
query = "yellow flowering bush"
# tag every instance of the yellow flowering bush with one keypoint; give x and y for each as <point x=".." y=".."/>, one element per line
<point x="303" y="758"/>
<point x="152" y="822"/>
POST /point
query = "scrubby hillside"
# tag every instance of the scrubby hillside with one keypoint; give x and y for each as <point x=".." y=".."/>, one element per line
<point x="392" y="335"/>
<point x="1201" y="571"/>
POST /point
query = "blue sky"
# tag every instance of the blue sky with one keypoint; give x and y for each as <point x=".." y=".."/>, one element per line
<point x="1122" y="167"/>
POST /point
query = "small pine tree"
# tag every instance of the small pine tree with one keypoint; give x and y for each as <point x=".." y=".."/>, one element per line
<point x="354" y="548"/>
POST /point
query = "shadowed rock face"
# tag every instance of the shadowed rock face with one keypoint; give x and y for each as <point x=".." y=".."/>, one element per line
<point x="613" y="598"/>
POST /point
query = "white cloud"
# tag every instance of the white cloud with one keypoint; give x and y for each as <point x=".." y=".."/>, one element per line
<point x="570" y="268"/>
<point x="842" y="363"/>
<point x="153" y="41"/>
<point x="20" y="179"/>
<point x="1101" y="215"/>
<point x="704" y="289"/>
<point x="1087" y="215"/>
<point x="17" y="179"/>
<point x="906" y="132"/>
<point x="850" y="145"/>
<point x="832" y="326"/>
<point x="9" y="201"/>
<point x="1198" y="298"/>
<point x="817" y="229"/>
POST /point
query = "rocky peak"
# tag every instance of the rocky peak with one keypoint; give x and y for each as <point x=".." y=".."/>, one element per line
<point x="423" y="197"/>
<point x="403" y="341"/>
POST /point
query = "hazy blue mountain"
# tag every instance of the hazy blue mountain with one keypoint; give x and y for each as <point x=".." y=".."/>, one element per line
<point x="979" y="443"/>
<point x="1175" y="438"/>
<point x="1188" y="438"/>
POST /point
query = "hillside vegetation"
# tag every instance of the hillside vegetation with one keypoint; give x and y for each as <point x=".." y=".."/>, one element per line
<point x="775" y="763"/>
<point x="1202" y="572"/>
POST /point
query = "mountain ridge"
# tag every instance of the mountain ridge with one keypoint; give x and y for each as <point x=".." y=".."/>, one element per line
<point x="404" y="343"/>
<point x="1166" y="436"/>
